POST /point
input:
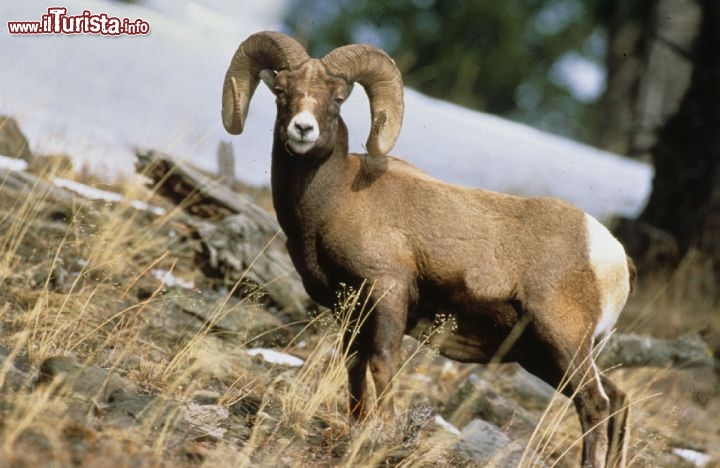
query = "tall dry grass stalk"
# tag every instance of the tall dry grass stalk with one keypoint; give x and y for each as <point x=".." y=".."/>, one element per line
<point x="86" y="315"/>
<point x="313" y="406"/>
<point x="95" y="314"/>
<point x="670" y="303"/>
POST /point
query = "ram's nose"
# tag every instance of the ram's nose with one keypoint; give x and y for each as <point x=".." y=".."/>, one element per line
<point x="303" y="131"/>
<point x="303" y="127"/>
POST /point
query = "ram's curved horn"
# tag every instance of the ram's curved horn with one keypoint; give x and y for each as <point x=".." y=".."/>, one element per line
<point x="378" y="74"/>
<point x="260" y="51"/>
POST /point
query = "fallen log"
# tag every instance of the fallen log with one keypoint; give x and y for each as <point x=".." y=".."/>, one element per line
<point x="15" y="176"/>
<point x="238" y="249"/>
<point x="26" y="184"/>
<point x="631" y="350"/>
<point x="196" y="192"/>
<point x="239" y="241"/>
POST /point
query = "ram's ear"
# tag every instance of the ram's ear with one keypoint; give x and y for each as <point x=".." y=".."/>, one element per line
<point x="268" y="77"/>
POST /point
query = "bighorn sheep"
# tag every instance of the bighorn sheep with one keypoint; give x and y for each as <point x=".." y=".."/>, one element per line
<point x="490" y="260"/>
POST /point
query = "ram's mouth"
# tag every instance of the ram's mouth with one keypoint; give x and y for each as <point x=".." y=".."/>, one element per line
<point x="300" y="146"/>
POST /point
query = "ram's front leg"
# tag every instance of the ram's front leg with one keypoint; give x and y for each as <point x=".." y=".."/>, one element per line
<point x="374" y="340"/>
<point x="357" y="363"/>
<point x="385" y="331"/>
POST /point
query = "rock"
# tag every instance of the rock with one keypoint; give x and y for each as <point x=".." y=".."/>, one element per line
<point x="16" y="375"/>
<point x="476" y="398"/>
<point x="231" y="318"/>
<point x="131" y="361"/>
<point x="12" y="141"/>
<point x="133" y="403"/>
<point x="533" y="393"/>
<point x="249" y="405"/>
<point x="485" y="444"/>
<point x="206" y="397"/>
<point x="126" y="409"/>
<point x="89" y="383"/>
<point x="631" y="350"/>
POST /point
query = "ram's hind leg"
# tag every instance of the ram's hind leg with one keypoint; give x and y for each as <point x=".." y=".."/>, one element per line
<point x="618" y="431"/>
<point x="593" y="407"/>
<point x="570" y="348"/>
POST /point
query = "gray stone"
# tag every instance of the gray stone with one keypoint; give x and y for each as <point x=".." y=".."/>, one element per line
<point x="89" y="383"/>
<point x="231" y="318"/>
<point x="485" y="444"/>
<point x="476" y="398"/>
<point x="631" y="350"/>
<point x="531" y="392"/>
<point x="128" y="408"/>
<point x="12" y="141"/>
<point x="16" y="372"/>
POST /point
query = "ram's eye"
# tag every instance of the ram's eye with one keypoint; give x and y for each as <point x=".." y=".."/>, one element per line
<point x="338" y="99"/>
<point x="280" y="96"/>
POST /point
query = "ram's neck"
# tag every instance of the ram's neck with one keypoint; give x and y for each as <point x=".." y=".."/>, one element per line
<point x="304" y="188"/>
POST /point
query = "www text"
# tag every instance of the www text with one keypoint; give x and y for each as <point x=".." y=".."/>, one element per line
<point x="57" y="21"/>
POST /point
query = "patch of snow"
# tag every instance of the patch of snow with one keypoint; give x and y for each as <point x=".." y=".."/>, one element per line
<point x="142" y="206"/>
<point x="87" y="191"/>
<point x="440" y="421"/>
<point x="95" y="98"/>
<point x="93" y="193"/>
<point x="698" y="459"/>
<point x="276" y="357"/>
<point x="170" y="280"/>
<point x="423" y="378"/>
<point x="12" y="164"/>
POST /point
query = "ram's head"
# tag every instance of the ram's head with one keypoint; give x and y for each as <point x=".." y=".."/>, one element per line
<point x="310" y="91"/>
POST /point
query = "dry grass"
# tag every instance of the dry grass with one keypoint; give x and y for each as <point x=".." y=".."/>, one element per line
<point x="76" y="282"/>
<point x="673" y="303"/>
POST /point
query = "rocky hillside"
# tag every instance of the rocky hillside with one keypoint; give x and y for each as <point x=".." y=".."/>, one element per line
<point x="165" y="327"/>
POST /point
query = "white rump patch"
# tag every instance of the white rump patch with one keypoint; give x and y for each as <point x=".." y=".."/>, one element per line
<point x="609" y="262"/>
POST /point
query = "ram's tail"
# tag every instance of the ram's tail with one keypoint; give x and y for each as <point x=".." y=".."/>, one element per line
<point x="632" y="271"/>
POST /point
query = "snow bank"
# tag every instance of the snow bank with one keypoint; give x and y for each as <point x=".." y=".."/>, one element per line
<point x="96" y="98"/>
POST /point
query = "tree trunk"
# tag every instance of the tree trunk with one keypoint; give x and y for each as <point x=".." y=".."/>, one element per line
<point x="664" y="98"/>
<point x="685" y="201"/>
